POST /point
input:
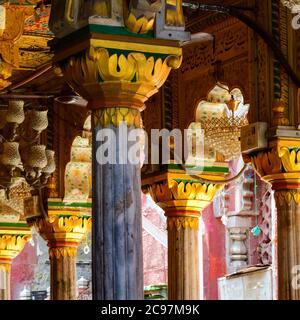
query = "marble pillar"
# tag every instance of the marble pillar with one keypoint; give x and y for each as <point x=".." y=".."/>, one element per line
<point x="183" y="259"/>
<point x="5" y="271"/>
<point x="63" y="276"/>
<point x="288" y="240"/>
<point x="280" y="167"/>
<point x="63" y="231"/>
<point x="117" y="219"/>
<point x="183" y="200"/>
<point x="13" y="237"/>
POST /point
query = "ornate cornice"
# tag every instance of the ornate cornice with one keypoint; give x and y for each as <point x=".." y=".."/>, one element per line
<point x="110" y="78"/>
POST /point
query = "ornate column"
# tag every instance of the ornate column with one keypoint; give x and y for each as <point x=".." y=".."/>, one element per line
<point x="183" y="198"/>
<point x="13" y="237"/>
<point x="116" y="63"/>
<point x="64" y="229"/>
<point x="280" y="166"/>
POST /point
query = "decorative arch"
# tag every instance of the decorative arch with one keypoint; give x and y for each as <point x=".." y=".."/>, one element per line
<point x="78" y="172"/>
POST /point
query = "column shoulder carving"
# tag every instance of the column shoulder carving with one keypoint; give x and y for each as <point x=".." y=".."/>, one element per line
<point x="177" y="192"/>
<point x="279" y="164"/>
<point x="118" y="79"/>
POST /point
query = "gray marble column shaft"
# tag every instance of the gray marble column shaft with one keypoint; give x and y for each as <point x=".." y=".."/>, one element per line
<point x="117" y="265"/>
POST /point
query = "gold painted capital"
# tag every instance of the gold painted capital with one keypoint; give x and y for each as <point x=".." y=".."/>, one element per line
<point x="63" y="230"/>
<point x="280" y="165"/>
<point x="115" y="116"/>
<point x="11" y="245"/>
<point x="110" y="78"/>
<point x="183" y="198"/>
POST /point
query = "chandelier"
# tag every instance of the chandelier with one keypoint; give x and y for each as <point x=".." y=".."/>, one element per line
<point x="22" y="157"/>
<point x="221" y="117"/>
<point x="291" y="4"/>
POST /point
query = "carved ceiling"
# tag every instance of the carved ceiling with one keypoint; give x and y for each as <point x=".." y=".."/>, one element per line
<point x="24" y="45"/>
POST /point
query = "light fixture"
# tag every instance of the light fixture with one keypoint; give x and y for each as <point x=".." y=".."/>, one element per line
<point x="221" y="117"/>
<point x="22" y="157"/>
<point x="291" y="4"/>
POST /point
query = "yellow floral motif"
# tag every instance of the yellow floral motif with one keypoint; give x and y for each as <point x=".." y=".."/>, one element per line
<point x="287" y="196"/>
<point x="115" y="116"/>
<point x="64" y="229"/>
<point x="115" y="79"/>
<point x="60" y="252"/>
<point x="12" y="245"/>
<point x="290" y="159"/>
<point x="183" y="223"/>
<point x="140" y="24"/>
<point x="184" y="191"/>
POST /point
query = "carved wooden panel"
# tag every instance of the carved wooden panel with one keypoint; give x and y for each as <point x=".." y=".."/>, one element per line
<point x="197" y="75"/>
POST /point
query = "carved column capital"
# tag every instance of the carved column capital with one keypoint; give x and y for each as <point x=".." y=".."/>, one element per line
<point x="279" y="165"/>
<point x="62" y="230"/>
<point x="110" y="77"/>
<point x="12" y="240"/>
<point x="181" y="195"/>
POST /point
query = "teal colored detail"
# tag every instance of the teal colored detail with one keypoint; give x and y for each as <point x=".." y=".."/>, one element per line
<point x="294" y="149"/>
<point x="256" y="231"/>
<point x="146" y="54"/>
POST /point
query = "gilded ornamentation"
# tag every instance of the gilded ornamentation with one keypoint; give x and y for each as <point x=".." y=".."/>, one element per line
<point x="280" y="165"/>
<point x="60" y="252"/>
<point x="140" y="16"/>
<point x="9" y="46"/>
<point x="138" y="24"/>
<point x="267" y="163"/>
<point x="183" y="223"/>
<point x="279" y="114"/>
<point x="174" y="13"/>
<point x="63" y="230"/>
<point x="184" y="191"/>
<point x="116" y="79"/>
<point x="115" y="116"/>
<point x="287" y="196"/>
<point x="5" y="267"/>
<point x="183" y="196"/>
<point x="290" y="159"/>
<point x="278" y="160"/>
<point x="12" y="244"/>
